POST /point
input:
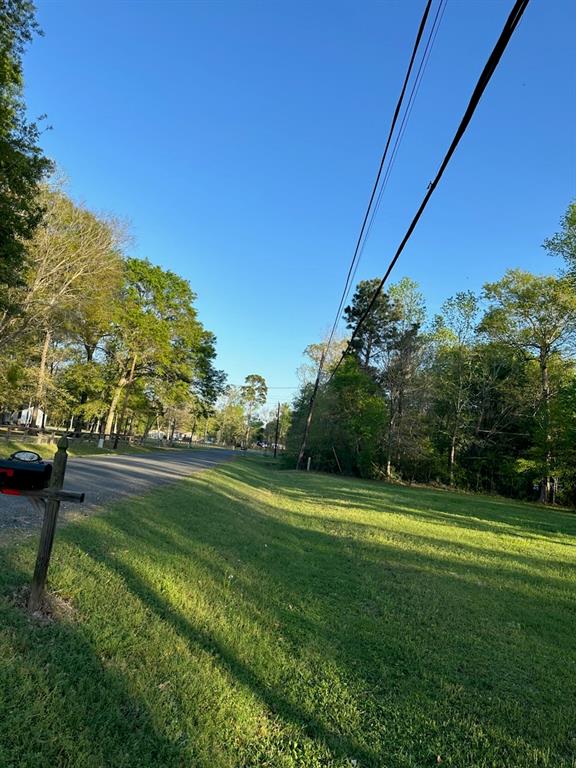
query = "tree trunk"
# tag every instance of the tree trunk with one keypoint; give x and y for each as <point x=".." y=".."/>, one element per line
<point x="452" y="458"/>
<point x="114" y="405"/>
<point x="40" y="389"/>
<point x="79" y="420"/>
<point x="390" y="447"/>
<point x="247" y="436"/>
<point x="147" y="428"/>
<point x="399" y="439"/>
<point x="368" y="354"/>
<point x="545" y="385"/>
<point x="389" y="460"/>
<point x="129" y="383"/>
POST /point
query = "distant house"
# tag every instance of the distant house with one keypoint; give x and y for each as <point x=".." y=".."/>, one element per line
<point x="157" y="434"/>
<point x="24" y="417"/>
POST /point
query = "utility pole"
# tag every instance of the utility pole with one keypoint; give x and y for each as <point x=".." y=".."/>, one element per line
<point x="311" y="409"/>
<point x="277" y="430"/>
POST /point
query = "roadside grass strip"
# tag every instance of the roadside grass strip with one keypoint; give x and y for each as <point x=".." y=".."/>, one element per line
<point x="78" y="448"/>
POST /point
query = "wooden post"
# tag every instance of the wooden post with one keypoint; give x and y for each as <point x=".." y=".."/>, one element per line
<point x="48" y="527"/>
<point x="277" y="431"/>
<point x="337" y="462"/>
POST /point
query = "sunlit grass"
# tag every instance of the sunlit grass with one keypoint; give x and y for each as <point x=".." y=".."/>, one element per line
<point x="254" y="617"/>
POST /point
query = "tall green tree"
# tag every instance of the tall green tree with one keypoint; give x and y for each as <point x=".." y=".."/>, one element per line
<point x="455" y="372"/>
<point x="73" y="270"/>
<point x="22" y="162"/>
<point x="347" y="433"/>
<point x="537" y="315"/>
<point x="379" y="327"/>
<point x="400" y="369"/>
<point x="73" y="276"/>
<point x="563" y="243"/>
<point x="564" y="418"/>
<point x="156" y="337"/>
<point x="254" y="392"/>
<point x="314" y="353"/>
<point x="229" y="420"/>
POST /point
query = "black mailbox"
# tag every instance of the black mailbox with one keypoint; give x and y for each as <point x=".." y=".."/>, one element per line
<point x="24" y="474"/>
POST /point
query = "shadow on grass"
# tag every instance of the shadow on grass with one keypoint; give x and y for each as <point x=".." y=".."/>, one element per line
<point x="493" y="514"/>
<point x="59" y="705"/>
<point x="420" y="638"/>
<point x="388" y="618"/>
<point x="155" y="541"/>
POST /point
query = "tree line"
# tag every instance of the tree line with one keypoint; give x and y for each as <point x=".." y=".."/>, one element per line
<point x="482" y="396"/>
<point x="90" y="339"/>
<point x="99" y="341"/>
<point x="241" y="418"/>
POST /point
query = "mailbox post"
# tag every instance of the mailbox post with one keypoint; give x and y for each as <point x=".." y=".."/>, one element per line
<point x="48" y="526"/>
<point x="27" y="475"/>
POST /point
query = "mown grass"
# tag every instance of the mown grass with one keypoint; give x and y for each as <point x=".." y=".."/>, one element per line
<point x="254" y="617"/>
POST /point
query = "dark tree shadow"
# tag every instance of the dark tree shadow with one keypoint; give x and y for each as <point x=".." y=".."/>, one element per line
<point x="394" y="621"/>
<point x="60" y="705"/>
<point x="282" y="565"/>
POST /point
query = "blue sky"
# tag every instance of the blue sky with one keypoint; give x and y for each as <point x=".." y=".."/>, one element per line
<point x="241" y="139"/>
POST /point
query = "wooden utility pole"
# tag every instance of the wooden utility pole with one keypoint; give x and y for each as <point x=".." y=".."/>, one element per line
<point x="277" y="430"/>
<point x="48" y="527"/>
<point x="311" y="410"/>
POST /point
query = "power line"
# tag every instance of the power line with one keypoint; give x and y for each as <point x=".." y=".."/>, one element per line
<point x="353" y="263"/>
<point x="404" y="124"/>
<point x="490" y="67"/>
<point x="381" y="167"/>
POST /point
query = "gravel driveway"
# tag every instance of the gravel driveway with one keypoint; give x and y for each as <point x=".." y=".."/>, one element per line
<point x="107" y="478"/>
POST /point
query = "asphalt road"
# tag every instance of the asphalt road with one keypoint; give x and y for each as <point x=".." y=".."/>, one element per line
<point x="107" y="478"/>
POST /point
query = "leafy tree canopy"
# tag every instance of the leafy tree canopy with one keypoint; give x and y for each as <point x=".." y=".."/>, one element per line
<point x="563" y="243"/>
<point x="22" y="162"/>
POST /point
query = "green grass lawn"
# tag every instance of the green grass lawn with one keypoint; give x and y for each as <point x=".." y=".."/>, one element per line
<point x="258" y="617"/>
